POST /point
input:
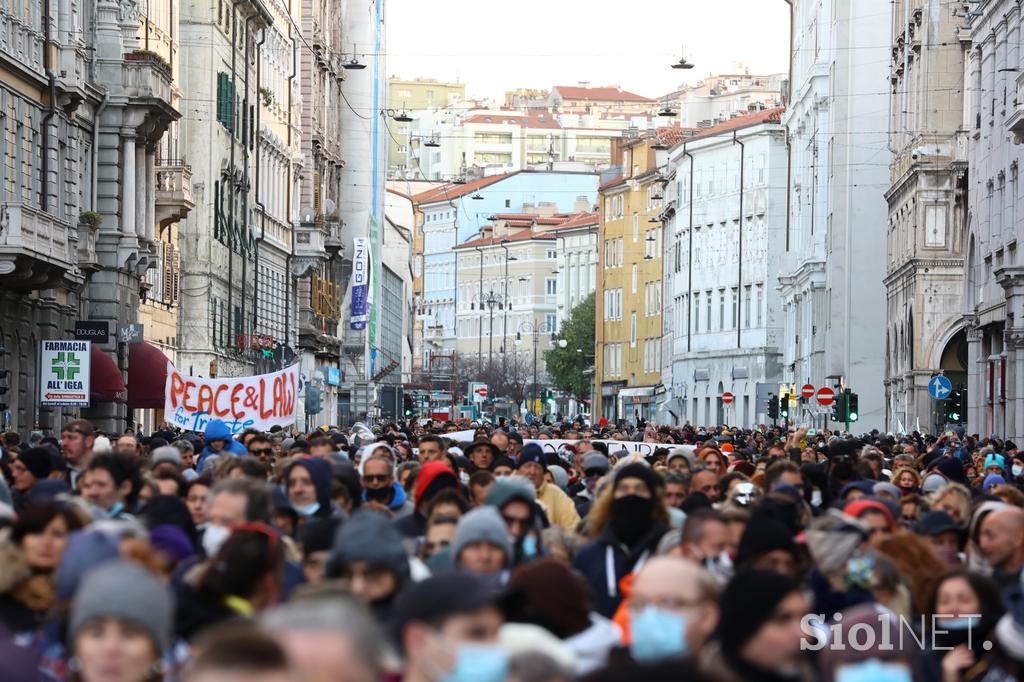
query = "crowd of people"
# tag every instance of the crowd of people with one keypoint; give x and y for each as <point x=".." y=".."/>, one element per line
<point x="432" y="551"/>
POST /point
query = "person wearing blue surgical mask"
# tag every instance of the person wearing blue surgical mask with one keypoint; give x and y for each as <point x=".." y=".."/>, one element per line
<point x="447" y="628"/>
<point x="672" y="610"/>
<point x="308" y="485"/>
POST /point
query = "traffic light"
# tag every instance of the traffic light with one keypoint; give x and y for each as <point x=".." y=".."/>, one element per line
<point x="839" y="407"/>
<point x="408" y="405"/>
<point x="850" y="411"/>
<point x="955" y="406"/>
<point x="784" y="406"/>
<point x="773" y="407"/>
<point x="313" y="400"/>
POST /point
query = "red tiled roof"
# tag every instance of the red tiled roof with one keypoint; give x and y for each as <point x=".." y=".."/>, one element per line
<point x="521" y="236"/>
<point x="745" y="121"/>
<point x="607" y="94"/>
<point x="578" y="220"/>
<point x="534" y="119"/>
<point x="451" y="190"/>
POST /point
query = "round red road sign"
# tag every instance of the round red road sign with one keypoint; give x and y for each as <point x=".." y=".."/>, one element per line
<point x="826" y="396"/>
<point x="482" y="392"/>
<point x="807" y="391"/>
<point x="727" y="398"/>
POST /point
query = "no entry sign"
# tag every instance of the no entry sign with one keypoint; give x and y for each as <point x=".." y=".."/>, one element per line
<point x="807" y="391"/>
<point x="826" y="396"/>
<point x="727" y="398"/>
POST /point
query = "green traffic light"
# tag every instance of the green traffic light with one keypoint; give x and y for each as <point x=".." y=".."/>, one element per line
<point x="853" y="416"/>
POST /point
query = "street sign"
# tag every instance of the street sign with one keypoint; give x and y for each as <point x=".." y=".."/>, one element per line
<point x="97" y="331"/>
<point x="129" y="333"/>
<point x="826" y="396"/>
<point x="807" y="391"/>
<point x="939" y="387"/>
<point x="64" y="373"/>
<point x="482" y="392"/>
<point x="727" y="398"/>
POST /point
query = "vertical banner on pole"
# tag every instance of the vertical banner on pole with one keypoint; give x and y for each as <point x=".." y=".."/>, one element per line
<point x="360" y="282"/>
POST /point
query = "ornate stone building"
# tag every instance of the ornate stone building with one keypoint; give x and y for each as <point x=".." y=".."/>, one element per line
<point x="927" y="214"/>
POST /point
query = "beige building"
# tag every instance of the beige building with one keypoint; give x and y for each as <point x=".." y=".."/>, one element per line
<point x="927" y="216"/>
<point x="408" y="97"/>
<point x="601" y="101"/>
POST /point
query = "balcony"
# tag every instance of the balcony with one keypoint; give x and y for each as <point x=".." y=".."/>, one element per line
<point x="146" y="75"/>
<point x="21" y="44"/>
<point x="36" y="249"/>
<point x="173" y="191"/>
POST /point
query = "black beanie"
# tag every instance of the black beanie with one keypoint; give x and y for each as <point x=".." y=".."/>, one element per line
<point x="37" y="461"/>
<point x="645" y="473"/>
<point x="764" y="534"/>
<point x="748" y="602"/>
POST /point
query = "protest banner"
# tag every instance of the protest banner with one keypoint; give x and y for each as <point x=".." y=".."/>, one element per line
<point x="360" y="283"/>
<point x="258" y="402"/>
<point x="614" y="446"/>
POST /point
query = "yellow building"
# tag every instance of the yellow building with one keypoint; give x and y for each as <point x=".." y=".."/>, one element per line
<point x="629" y="277"/>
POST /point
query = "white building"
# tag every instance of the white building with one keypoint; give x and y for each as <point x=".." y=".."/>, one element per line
<point x="718" y="98"/>
<point x="722" y="318"/>
<point x="831" y="275"/>
<point x="576" y="251"/>
<point x="994" y="292"/>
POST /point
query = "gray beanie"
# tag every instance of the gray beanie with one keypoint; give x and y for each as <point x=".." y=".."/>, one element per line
<point x="560" y="475"/>
<point x="167" y="453"/>
<point x="123" y="590"/>
<point x="483" y="524"/>
<point x="368" y="536"/>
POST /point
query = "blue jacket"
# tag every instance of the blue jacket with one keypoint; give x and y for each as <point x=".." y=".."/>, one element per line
<point x="218" y="430"/>
<point x="593" y="559"/>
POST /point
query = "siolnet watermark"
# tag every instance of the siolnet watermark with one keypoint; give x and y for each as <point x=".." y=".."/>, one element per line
<point x="939" y="632"/>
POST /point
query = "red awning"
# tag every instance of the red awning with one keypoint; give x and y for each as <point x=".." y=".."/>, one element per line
<point x="147" y="376"/>
<point x="106" y="384"/>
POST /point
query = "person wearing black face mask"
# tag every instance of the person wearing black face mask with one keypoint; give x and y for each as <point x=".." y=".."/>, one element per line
<point x="626" y="522"/>
<point x="381" y="490"/>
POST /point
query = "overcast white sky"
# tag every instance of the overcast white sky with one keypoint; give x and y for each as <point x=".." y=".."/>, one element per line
<point x="497" y="45"/>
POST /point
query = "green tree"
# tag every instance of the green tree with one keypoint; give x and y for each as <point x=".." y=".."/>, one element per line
<point x="567" y="366"/>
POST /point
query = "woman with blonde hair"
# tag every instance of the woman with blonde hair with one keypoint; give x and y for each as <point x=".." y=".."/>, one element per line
<point x="906" y="479"/>
<point x="955" y="500"/>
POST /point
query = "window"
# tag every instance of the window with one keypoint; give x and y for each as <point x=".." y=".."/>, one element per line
<point x="735" y="309"/>
<point x="552" y="253"/>
<point x="746" y="306"/>
<point x="550" y="286"/>
<point x="721" y="309"/>
<point x="636" y="227"/>
<point x="696" y="311"/>
<point x="758" y="304"/>
<point x="550" y="323"/>
<point x="632" y="330"/>
<point x="634" y="276"/>
<point x="226" y="101"/>
<point x="622" y="248"/>
<point x="508" y="203"/>
<point x="607" y="253"/>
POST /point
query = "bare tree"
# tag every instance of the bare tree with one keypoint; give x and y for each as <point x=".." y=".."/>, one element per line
<point x="508" y="377"/>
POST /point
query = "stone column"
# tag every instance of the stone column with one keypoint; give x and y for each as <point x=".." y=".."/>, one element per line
<point x="1011" y="279"/>
<point x="975" y="374"/>
<point x="1015" y="366"/>
<point x="142" y="191"/>
<point x="128" y="187"/>
<point x="150" y="193"/>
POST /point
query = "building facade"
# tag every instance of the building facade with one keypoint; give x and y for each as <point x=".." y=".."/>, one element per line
<point x="628" y="354"/>
<point x="994" y="288"/>
<point x="409" y="97"/>
<point x="455" y="213"/>
<point x="928" y="215"/>
<point x="716" y="99"/>
<point x="831" y="276"/>
<point x="725" y="235"/>
<point x="599" y="101"/>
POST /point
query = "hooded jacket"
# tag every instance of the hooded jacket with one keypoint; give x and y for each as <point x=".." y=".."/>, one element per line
<point x="434" y="476"/>
<point x="320" y="474"/>
<point x="216" y="429"/>
<point x="593" y="559"/>
<point x="400" y="505"/>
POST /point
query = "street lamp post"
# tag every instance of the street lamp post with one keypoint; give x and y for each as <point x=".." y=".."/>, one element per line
<point x="533" y="327"/>
<point x="504" y="328"/>
<point x="491" y="300"/>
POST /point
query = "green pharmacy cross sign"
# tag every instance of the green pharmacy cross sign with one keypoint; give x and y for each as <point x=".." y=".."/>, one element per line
<point x="66" y="366"/>
<point x="65" y="373"/>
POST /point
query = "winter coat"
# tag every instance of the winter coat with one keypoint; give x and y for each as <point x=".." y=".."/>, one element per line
<point x="25" y="596"/>
<point x="592" y="646"/>
<point x="400" y="504"/>
<point x="593" y="559"/>
<point x="218" y="430"/>
<point x="561" y="510"/>
<point x="716" y="667"/>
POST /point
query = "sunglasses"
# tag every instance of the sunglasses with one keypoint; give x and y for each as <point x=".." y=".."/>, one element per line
<point x="262" y="451"/>
<point x="375" y="478"/>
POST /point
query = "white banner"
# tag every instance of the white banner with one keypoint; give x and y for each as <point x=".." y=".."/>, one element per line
<point x="258" y="402"/>
<point x="631" y="446"/>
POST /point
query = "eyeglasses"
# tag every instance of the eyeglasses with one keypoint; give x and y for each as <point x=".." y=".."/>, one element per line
<point x="376" y="478"/>
<point x="516" y="521"/>
<point x="262" y="451"/>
